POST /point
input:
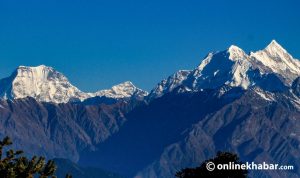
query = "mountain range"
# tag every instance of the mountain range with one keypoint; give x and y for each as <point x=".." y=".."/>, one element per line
<point x="247" y="103"/>
<point x="45" y="84"/>
<point x="233" y="67"/>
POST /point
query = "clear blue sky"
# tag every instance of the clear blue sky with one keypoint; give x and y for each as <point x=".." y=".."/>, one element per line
<point x="97" y="44"/>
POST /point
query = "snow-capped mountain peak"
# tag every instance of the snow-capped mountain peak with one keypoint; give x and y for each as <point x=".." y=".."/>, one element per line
<point x="274" y="47"/>
<point x="123" y="90"/>
<point x="225" y="67"/>
<point x="275" y="59"/>
<point x="38" y="73"/>
<point x="173" y="81"/>
<point x="42" y="83"/>
<point x="48" y="85"/>
<point x="236" y="53"/>
<point x="235" y="68"/>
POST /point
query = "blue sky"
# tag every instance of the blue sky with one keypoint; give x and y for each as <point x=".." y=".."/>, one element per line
<point x="97" y="44"/>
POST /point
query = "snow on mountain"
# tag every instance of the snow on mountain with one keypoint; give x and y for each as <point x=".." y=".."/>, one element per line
<point x="48" y="85"/>
<point x="225" y="67"/>
<point x="268" y="96"/>
<point x="41" y="82"/>
<point x="170" y="83"/>
<point x="275" y="59"/>
<point x="234" y="68"/>
<point x="123" y="90"/>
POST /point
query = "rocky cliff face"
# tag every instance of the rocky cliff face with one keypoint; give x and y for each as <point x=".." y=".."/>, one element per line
<point x="150" y="128"/>
<point x="59" y="130"/>
<point x="259" y="126"/>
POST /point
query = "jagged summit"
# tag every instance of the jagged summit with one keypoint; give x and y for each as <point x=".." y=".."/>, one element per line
<point x="274" y="46"/>
<point x="167" y="85"/>
<point x="123" y="90"/>
<point x="233" y="67"/>
<point x="236" y="53"/>
<point x="274" y="49"/>
<point x="46" y="84"/>
<point x="233" y="48"/>
<point x="275" y="59"/>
